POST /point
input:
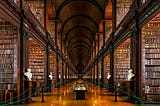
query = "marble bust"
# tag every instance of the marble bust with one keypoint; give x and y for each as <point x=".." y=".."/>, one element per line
<point x="130" y="74"/>
<point x="28" y="74"/>
<point x="108" y="76"/>
<point x="50" y="76"/>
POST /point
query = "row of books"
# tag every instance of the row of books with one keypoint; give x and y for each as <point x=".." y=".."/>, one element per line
<point x="151" y="74"/>
<point x="155" y="61"/>
<point x="154" y="55"/>
<point x="152" y="69"/>
<point x="150" y="81"/>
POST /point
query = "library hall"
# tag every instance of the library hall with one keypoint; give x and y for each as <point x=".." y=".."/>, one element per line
<point x="79" y="52"/>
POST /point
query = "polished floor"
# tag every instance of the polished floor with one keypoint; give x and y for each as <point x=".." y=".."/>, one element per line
<point x="66" y="97"/>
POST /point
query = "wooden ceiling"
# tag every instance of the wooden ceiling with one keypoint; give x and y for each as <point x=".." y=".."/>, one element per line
<point x="80" y="21"/>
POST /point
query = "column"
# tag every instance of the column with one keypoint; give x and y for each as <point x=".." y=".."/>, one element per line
<point x="56" y="33"/>
<point x="57" y="71"/>
<point x="97" y="74"/>
<point x="98" y="42"/>
<point x="21" y="52"/>
<point x="102" y="72"/>
<point x="104" y="31"/>
<point x="94" y="74"/>
<point x="47" y="63"/>
<point x="111" y="80"/>
<point x="62" y="72"/>
<point x="138" y="58"/>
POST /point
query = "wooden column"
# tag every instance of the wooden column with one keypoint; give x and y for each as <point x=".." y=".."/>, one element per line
<point x="111" y="80"/>
<point x="104" y="31"/>
<point x="65" y="73"/>
<point x="47" y="62"/>
<point x="138" y="58"/>
<point x="21" y="53"/>
<point x="56" y="33"/>
<point x="45" y="15"/>
<point x="62" y="72"/>
<point x="97" y="74"/>
<point x="95" y="48"/>
<point x="98" y="41"/>
<point x="57" y="70"/>
<point x="102" y="72"/>
<point x="61" y="42"/>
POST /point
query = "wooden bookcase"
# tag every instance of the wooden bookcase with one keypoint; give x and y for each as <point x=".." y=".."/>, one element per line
<point x="151" y="44"/>
<point x="37" y="64"/>
<point x="122" y="61"/>
<point x="53" y="67"/>
<point x="122" y="9"/>
<point x="8" y="59"/>
<point x="106" y="69"/>
<point x="108" y="29"/>
<point x="51" y="29"/>
<point x="37" y="8"/>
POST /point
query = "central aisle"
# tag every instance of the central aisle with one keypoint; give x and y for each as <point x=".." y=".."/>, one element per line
<point x="66" y="97"/>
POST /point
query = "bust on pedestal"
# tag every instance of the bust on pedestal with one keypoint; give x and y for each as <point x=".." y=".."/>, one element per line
<point x="28" y="83"/>
<point x="28" y="74"/>
<point x="50" y="81"/>
<point x="130" y="84"/>
<point x="130" y="75"/>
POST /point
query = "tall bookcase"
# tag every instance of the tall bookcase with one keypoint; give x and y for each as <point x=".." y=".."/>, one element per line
<point x="151" y="46"/>
<point x="8" y="57"/>
<point x="51" y="29"/>
<point x="37" y="57"/>
<point x="122" y="9"/>
<point x="106" y="68"/>
<point x="37" y="8"/>
<point x="108" y="28"/>
<point x="53" y="67"/>
<point x="122" y="61"/>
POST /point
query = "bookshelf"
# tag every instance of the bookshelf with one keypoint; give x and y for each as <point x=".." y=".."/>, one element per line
<point x="151" y="46"/>
<point x="37" y="62"/>
<point x="122" y="9"/>
<point x="53" y="66"/>
<point x="8" y="58"/>
<point x="122" y="61"/>
<point x="99" y="69"/>
<point x="37" y="8"/>
<point x="106" y="69"/>
<point x="51" y="29"/>
<point x="60" y="69"/>
<point x="108" y="29"/>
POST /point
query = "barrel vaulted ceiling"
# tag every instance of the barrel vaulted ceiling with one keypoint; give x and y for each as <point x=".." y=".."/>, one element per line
<point x="79" y="21"/>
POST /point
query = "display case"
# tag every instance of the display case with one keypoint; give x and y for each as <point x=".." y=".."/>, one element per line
<point x="151" y="53"/>
<point x="80" y="88"/>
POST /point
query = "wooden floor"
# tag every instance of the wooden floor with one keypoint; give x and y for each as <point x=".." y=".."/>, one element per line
<point x="66" y="97"/>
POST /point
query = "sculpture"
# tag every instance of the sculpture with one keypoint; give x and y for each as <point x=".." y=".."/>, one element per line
<point x="28" y="74"/>
<point x="130" y="74"/>
<point x="50" y="76"/>
<point x="147" y="89"/>
<point x="108" y="76"/>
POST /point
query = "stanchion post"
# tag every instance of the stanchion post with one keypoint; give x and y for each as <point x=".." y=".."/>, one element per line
<point x="42" y="94"/>
<point x="115" y="88"/>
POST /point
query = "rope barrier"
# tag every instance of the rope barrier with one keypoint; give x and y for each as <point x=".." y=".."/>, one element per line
<point x="41" y="89"/>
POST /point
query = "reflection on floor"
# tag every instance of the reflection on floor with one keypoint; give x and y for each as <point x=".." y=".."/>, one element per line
<point x="66" y="97"/>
